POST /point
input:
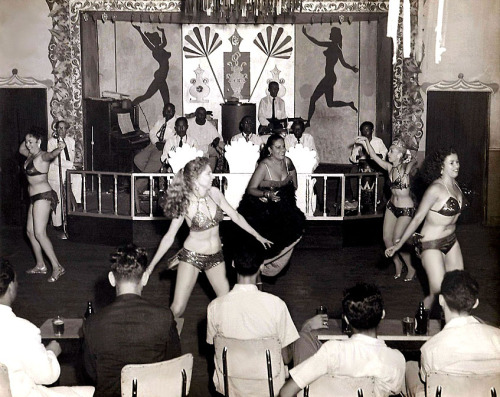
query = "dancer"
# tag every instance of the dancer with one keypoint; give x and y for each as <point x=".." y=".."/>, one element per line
<point x="333" y="54"/>
<point x="192" y="197"/>
<point x="157" y="46"/>
<point x="441" y="206"/>
<point x="269" y="204"/>
<point x="43" y="200"/>
<point x="400" y="207"/>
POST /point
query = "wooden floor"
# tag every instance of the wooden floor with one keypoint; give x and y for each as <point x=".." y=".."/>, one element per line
<point x="316" y="275"/>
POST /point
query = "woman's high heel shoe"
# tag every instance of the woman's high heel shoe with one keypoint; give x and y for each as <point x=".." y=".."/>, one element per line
<point x="37" y="270"/>
<point x="397" y="276"/>
<point x="56" y="275"/>
<point x="408" y="279"/>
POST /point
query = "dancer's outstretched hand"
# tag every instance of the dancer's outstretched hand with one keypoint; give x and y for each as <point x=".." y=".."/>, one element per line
<point x="264" y="241"/>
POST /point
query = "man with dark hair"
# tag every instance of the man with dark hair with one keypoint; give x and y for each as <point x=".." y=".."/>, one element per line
<point x="271" y="107"/>
<point x="465" y="345"/>
<point x="130" y="330"/>
<point x="359" y="356"/>
<point x="30" y="364"/>
<point x="247" y="313"/>
<point x="179" y="139"/>
<point x="207" y="137"/>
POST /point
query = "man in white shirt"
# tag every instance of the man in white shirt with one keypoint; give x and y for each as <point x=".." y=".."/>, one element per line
<point x="361" y="355"/>
<point x="271" y="107"/>
<point x="247" y="313"/>
<point x="363" y="163"/>
<point x="179" y="139"/>
<point x="208" y="138"/>
<point x="247" y="132"/>
<point x="148" y="159"/>
<point x="67" y="157"/>
<point x="465" y="345"/>
<point x="30" y="364"/>
<point x="298" y="136"/>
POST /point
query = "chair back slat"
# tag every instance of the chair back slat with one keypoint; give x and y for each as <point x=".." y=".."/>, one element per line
<point x="254" y="364"/>
<point x="360" y="392"/>
<point x="454" y="385"/>
<point x="493" y="392"/>
<point x="269" y="373"/>
<point x="438" y="391"/>
<point x="153" y="379"/>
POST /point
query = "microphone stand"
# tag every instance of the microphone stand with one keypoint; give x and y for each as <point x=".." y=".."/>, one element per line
<point x="62" y="193"/>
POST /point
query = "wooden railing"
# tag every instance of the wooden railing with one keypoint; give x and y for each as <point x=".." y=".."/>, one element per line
<point x="113" y="195"/>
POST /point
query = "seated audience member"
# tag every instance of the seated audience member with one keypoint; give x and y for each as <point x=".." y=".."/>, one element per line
<point x="30" y="364"/>
<point x="465" y="346"/>
<point x="362" y="162"/>
<point x="359" y="356"/>
<point x="178" y="139"/>
<point x="247" y="132"/>
<point x="299" y="136"/>
<point x="271" y="107"/>
<point x="207" y="137"/>
<point x="247" y="313"/>
<point x="130" y="330"/>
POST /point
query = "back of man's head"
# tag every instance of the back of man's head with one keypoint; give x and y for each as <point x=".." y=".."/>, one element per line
<point x="128" y="263"/>
<point x="460" y="291"/>
<point x="7" y="276"/>
<point x="248" y="259"/>
<point x="363" y="306"/>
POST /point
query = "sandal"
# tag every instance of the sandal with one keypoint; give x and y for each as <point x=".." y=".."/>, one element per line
<point x="397" y="276"/>
<point x="55" y="276"/>
<point x="408" y="279"/>
<point x="37" y="270"/>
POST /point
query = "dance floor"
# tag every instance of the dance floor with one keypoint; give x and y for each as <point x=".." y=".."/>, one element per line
<point x="317" y="274"/>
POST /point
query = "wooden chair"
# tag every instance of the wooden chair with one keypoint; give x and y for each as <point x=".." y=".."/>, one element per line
<point x="254" y="365"/>
<point x="4" y="381"/>
<point x="448" y="385"/>
<point x="333" y="386"/>
<point x="153" y="380"/>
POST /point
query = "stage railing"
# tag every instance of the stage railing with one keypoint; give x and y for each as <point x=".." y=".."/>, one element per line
<point x="322" y="197"/>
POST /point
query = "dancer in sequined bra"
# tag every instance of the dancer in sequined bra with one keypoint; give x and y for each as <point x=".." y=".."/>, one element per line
<point x="441" y="206"/>
<point x="192" y="197"/>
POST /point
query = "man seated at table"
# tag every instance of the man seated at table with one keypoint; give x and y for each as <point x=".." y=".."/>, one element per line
<point x="298" y="136"/>
<point x="179" y="139"/>
<point x="206" y="135"/>
<point x="247" y="313"/>
<point x="130" y="330"/>
<point x="271" y="107"/>
<point x="247" y="132"/>
<point x="361" y="355"/>
<point x="363" y="164"/>
<point x="465" y="346"/>
<point x="30" y="364"/>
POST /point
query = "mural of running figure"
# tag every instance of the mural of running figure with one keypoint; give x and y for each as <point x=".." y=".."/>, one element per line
<point x="157" y="46"/>
<point x="333" y="54"/>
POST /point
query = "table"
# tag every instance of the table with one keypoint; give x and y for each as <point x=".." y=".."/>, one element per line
<point x="389" y="331"/>
<point x="72" y="329"/>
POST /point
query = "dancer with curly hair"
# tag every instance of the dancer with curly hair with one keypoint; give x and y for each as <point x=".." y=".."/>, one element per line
<point x="400" y="207"/>
<point x="441" y="205"/>
<point x="192" y="197"/>
<point x="43" y="201"/>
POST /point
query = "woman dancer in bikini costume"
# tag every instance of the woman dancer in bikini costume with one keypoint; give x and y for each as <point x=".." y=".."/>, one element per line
<point x="400" y="207"/>
<point x="441" y="206"/>
<point x="192" y="197"/>
<point x="269" y="204"/>
<point x="43" y="200"/>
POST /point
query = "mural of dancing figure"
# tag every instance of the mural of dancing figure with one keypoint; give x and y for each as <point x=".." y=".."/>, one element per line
<point x="157" y="46"/>
<point x="333" y="54"/>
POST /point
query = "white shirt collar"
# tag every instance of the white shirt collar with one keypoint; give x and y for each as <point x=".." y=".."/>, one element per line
<point x="367" y="339"/>
<point x="461" y="321"/>
<point x="245" y="287"/>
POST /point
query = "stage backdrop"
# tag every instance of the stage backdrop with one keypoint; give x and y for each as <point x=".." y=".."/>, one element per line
<point x="144" y="61"/>
<point x="335" y="82"/>
<point x="224" y="61"/>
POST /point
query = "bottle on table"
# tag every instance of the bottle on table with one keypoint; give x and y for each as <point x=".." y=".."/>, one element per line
<point x="89" y="311"/>
<point x="421" y="319"/>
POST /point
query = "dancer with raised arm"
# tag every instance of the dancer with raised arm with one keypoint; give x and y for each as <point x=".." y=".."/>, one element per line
<point x="400" y="207"/>
<point x="191" y="197"/>
<point x="441" y="205"/>
<point x="43" y="200"/>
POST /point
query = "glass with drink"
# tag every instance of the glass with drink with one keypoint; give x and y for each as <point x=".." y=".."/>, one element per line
<point x="58" y="326"/>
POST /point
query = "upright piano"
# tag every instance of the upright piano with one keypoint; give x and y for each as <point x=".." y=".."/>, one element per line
<point x="107" y="148"/>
